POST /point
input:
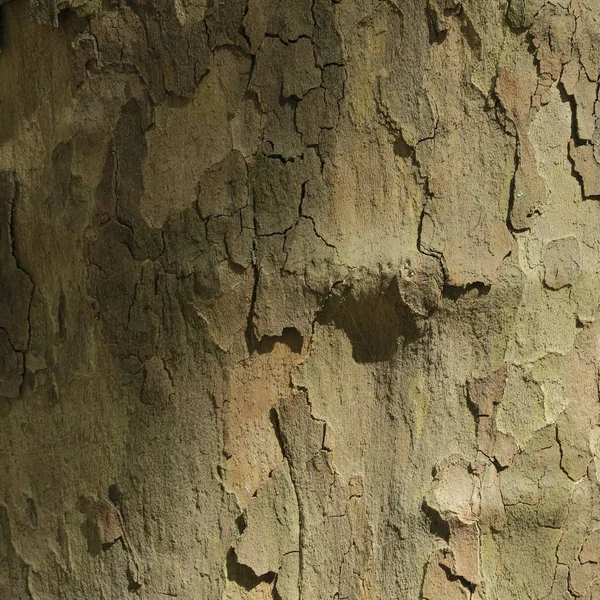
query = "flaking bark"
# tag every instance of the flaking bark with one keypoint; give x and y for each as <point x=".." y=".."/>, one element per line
<point x="298" y="300"/>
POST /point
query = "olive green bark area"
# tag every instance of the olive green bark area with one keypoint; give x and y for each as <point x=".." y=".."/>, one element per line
<point x="298" y="300"/>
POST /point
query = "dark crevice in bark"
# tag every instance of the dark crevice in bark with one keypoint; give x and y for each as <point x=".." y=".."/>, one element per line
<point x="291" y="337"/>
<point x="511" y="195"/>
<point x="577" y="142"/>
<point x="402" y="149"/>
<point x="243" y="575"/>
<point x="437" y="525"/>
<point x="250" y="335"/>
<point x="454" y="577"/>
<point x="453" y="292"/>
<point x="436" y="35"/>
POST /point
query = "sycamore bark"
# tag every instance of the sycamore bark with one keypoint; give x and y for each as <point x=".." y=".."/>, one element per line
<point x="298" y="300"/>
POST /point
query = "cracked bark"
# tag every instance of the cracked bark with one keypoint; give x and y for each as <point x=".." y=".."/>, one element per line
<point x="298" y="300"/>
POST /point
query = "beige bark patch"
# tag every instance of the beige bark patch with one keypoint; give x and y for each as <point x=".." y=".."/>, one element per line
<point x="465" y="221"/>
<point x="250" y="440"/>
<point x="273" y="528"/>
<point x="562" y="263"/>
<point x="521" y="412"/>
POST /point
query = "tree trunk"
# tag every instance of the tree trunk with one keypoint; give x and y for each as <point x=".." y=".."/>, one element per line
<point x="298" y="300"/>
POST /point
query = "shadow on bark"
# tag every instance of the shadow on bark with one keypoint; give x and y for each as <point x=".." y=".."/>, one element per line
<point x="375" y="321"/>
<point x="243" y="575"/>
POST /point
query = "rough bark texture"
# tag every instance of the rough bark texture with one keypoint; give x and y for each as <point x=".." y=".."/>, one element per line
<point x="298" y="299"/>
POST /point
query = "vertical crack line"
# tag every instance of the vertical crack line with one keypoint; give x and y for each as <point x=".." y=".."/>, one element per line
<point x="12" y="243"/>
<point x="250" y="334"/>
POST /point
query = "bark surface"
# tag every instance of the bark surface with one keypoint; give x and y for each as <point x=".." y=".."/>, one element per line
<point x="298" y="299"/>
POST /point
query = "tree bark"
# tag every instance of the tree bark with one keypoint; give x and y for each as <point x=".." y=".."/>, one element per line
<point x="298" y="299"/>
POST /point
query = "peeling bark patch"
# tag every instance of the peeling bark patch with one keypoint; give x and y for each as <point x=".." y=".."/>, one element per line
<point x="561" y="260"/>
<point x="456" y="196"/>
<point x="105" y="521"/>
